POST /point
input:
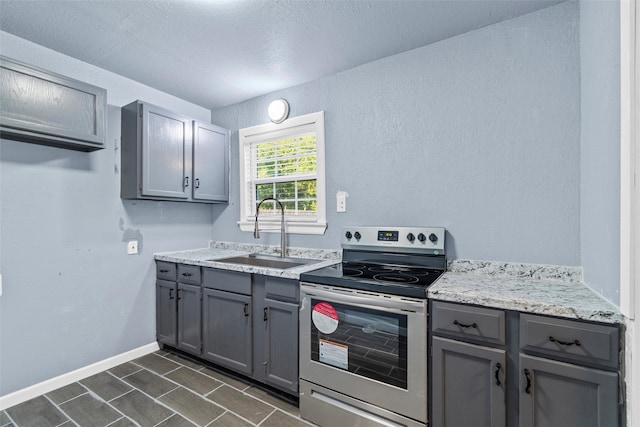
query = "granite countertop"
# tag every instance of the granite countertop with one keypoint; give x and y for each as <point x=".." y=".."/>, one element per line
<point x="538" y="289"/>
<point x="207" y="257"/>
<point x="548" y="290"/>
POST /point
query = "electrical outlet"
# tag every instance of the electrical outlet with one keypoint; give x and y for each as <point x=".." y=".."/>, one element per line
<point x="132" y="247"/>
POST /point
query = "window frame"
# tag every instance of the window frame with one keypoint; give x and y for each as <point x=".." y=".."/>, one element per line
<point x="286" y="129"/>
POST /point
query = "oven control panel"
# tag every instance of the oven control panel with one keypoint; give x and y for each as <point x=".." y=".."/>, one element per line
<point x="409" y="239"/>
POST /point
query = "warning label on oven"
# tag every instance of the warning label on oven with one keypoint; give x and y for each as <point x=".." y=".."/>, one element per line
<point x="325" y="318"/>
<point x="334" y="354"/>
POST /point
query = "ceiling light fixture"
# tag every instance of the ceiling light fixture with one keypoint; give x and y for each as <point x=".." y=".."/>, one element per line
<point x="278" y="110"/>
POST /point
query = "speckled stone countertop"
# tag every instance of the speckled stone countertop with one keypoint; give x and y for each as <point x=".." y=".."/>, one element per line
<point x="539" y="289"/>
<point x="208" y="257"/>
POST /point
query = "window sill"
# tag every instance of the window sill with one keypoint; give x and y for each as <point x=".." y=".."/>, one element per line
<point x="291" y="227"/>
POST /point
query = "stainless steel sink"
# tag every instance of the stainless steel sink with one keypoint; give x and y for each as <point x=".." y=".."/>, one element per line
<point x="271" y="261"/>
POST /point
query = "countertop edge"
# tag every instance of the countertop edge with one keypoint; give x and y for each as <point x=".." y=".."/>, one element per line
<point x="566" y="299"/>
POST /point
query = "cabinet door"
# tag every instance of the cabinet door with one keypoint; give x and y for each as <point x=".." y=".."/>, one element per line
<point x="166" y="315"/>
<point x="281" y="345"/>
<point x="226" y="323"/>
<point x="468" y="385"/>
<point x="210" y="162"/>
<point x="47" y="108"/>
<point x="561" y="394"/>
<point x="189" y="327"/>
<point x="166" y="153"/>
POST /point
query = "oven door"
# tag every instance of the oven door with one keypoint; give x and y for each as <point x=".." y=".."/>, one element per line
<point x="369" y="346"/>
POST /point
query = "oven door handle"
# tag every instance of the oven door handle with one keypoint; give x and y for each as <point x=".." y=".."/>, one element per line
<point x="371" y="301"/>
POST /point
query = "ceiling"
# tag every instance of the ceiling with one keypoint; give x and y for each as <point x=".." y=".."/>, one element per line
<point x="215" y="53"/>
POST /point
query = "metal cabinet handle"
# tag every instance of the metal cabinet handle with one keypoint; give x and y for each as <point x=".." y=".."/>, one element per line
<point x="170" y="293"/>
<point x="186" y="181"/>
<point x="465" y="325"/>
<point x="164" y="271"/>
<point x="567" y="343"/>
<point x="179" y="294"/>
<point x="246" y="309"/>
<point x="527" y="375"/>
<point x="264" y="314"/>
<point x="187" y="274"/>
<point x="498" y="369"/>
<point x="197" y="182"/>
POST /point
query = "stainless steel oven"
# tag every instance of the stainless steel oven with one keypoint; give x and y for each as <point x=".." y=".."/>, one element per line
<point x="363" y="329"/>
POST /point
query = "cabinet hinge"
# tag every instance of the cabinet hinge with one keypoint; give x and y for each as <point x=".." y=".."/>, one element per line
<point x="140" y="112"/>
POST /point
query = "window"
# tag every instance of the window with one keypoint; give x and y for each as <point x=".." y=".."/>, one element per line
<point x="284" y="161"/>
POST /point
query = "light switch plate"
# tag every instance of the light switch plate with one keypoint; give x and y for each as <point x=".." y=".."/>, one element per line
<point x="341" y="201"/>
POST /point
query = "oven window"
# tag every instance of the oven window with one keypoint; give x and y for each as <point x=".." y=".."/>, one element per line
<point x="366" y="342"/>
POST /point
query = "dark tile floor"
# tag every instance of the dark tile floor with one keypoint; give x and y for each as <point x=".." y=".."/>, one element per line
<point x="161" y="389"/>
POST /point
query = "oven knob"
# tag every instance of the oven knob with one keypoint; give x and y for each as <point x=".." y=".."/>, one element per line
<point x="357" y="235"/>
<point x="347" y="234"/>
<point x="411" y="237"/>
<point x="433" y="237"/>
<point x="422" y="237"/>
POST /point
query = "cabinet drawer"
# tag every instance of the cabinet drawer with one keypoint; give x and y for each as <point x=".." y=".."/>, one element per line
<point x="189" y="274"/>
<point x="231" y="281"/>
<point x="166" y="270"/>
<point x="570" y="340"/>
<point x="282" y="289"/>
<point x="463" y="321"/>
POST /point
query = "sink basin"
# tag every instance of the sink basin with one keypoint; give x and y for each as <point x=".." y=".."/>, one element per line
<point x="271" y="261"/>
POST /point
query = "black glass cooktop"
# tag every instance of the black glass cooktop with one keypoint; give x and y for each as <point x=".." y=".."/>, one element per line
<point x="404" y="280"/>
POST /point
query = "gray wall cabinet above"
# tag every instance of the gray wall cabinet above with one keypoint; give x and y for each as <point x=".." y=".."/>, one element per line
<point x="167" y="156"/>
<point x="42" y="107"/>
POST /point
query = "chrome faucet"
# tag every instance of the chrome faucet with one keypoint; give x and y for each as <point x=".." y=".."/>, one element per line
<point x="283" y="235"/>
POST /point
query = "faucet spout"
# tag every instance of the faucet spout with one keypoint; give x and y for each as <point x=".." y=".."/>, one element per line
<point x="283" y="235"/>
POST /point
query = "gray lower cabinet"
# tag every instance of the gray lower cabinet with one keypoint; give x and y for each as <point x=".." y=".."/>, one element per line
<point x="568" y="373"/>
<point x="244" y="322"/>
<point x="276" y="304"/>
<point x="540" y="371"/>
<point x="167" y="156"/>
<point x="178" y="306"/>
<point x="226" y="327"/>
<point x="468" y="380"/>
<point x="554" y="393"/>
<point x="46" y="108"/>
<point x="281" y="350"/>
<point x="166" y="313"/>
<point x="189" y="330"/>
<point x="468" y="384"/>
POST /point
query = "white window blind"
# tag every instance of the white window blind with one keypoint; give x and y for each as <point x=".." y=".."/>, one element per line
<point x="286" y="162"/>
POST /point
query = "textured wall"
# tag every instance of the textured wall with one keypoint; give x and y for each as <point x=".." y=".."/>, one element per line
<point x="478" y="133"/>
<point x="600" y="146"/>
<point x="71" y="296"/>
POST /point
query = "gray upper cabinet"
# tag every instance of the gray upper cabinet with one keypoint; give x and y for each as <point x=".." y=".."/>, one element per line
<point x="42" y="107"/>
<point x="210" y="162"/>
<point x="167" y="156"/>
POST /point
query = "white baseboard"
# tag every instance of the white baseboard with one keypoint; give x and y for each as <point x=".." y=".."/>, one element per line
<point x="17" y="397"/>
